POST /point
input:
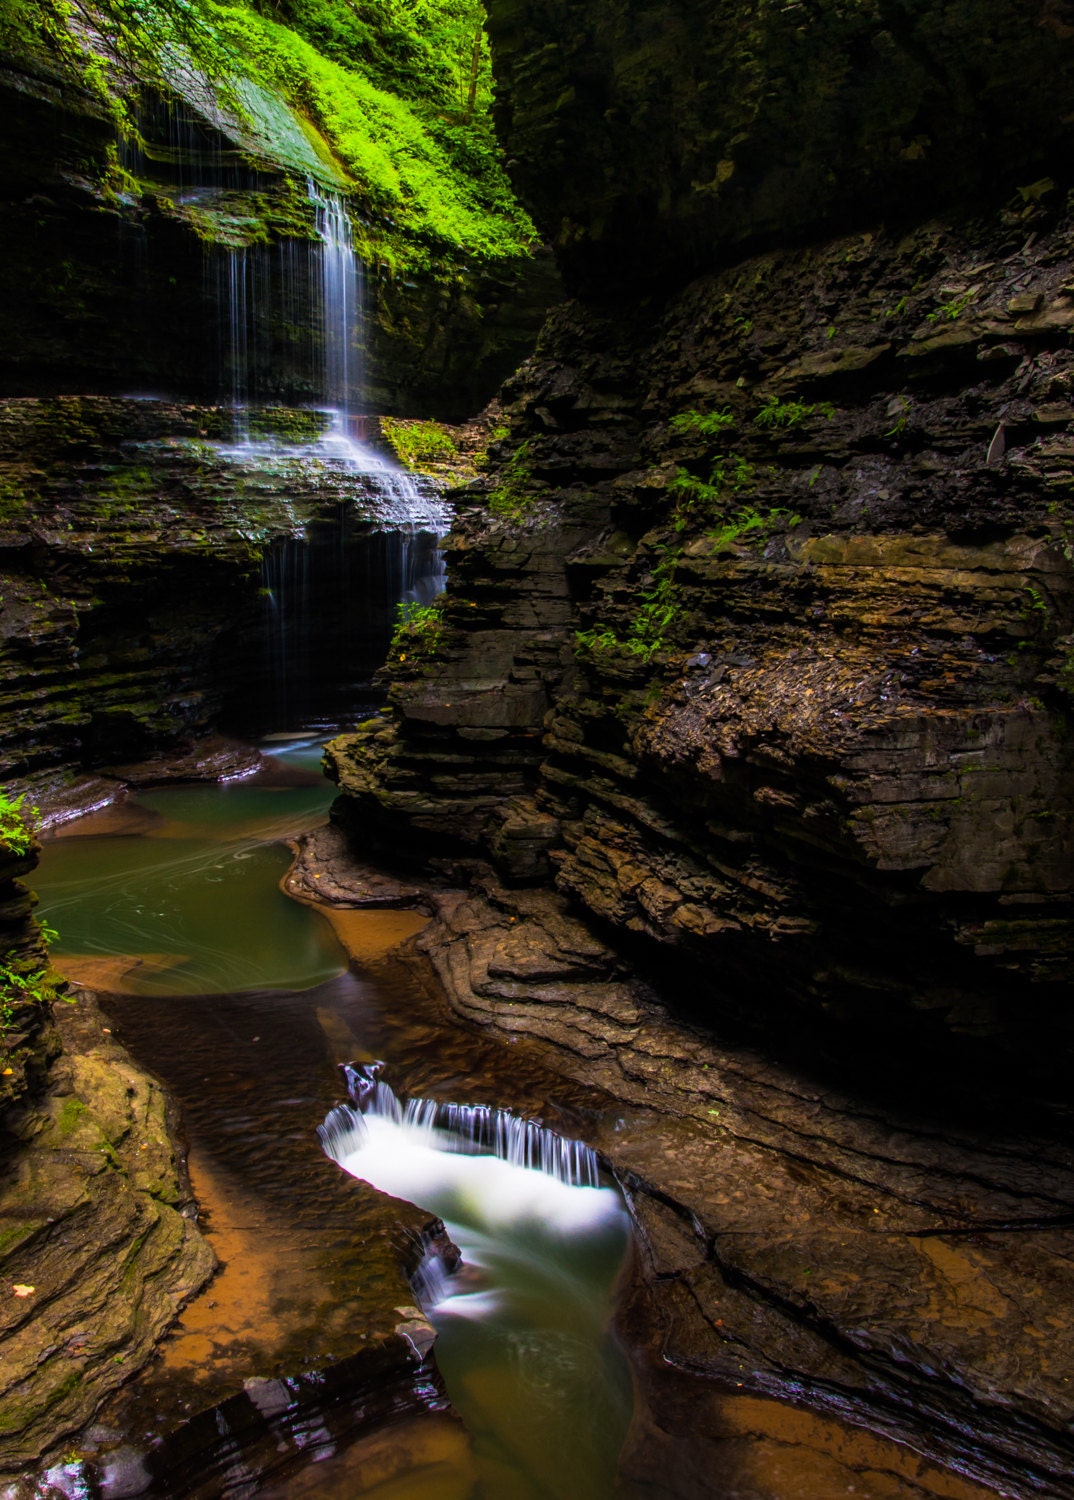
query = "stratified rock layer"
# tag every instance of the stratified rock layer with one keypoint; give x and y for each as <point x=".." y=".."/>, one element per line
<point x="98" y="1245"/>
<point x="874" y="1258"/>
<point x="133" y="547"/>
<point x="790" y="700"/>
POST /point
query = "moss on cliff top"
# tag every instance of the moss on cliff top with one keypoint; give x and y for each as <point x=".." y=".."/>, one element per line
<point x="394" y="108"/>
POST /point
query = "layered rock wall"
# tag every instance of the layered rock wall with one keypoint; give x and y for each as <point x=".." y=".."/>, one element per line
<point x="761" y="635"/>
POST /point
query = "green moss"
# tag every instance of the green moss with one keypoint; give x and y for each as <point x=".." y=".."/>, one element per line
<point x="393" y="105"/>
<point x="420" y="444"/>
<point x="288" y="423"/>
<point x="72" y="1111"/>
<point x="515" y="495"/>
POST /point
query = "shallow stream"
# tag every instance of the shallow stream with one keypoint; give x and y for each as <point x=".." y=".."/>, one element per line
<point x="242" y="1001"/>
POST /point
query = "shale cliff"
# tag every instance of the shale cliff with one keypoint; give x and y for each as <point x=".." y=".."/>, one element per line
<point x="759" y="638"/>
<point x="746" y="717"/>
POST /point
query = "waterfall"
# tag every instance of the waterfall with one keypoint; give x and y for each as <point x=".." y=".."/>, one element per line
<point x="339" y="300"/>
<point x="508" y="1189"/>
<point x="470" y="1129"/>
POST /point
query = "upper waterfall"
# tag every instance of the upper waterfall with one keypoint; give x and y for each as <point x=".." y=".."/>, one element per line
<point x="340" y="298"/>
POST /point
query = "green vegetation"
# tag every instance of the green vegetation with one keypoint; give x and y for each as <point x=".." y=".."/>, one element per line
<point x="515" y="496"/>
<point x="287" y="423"/>
<point x="419" y="630"/>
<point x="787" y="414"/>
<point x="951" y="310"/>
<point x="649" y="630"/>
<point x="496" y="434"/>
<point x="700" y="500"/>
<point x="702" y="424"/>
<point x="420" y="444"/>
<point x="392" y="101"/>
<point x="22" y="985"/>
<point x="903" y="417"/>
<point x="1034" y="610"/>
<point x="15" y="831"/>
<point x="748" y="520"/>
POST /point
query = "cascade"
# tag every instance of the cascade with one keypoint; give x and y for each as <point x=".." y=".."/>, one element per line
<point x="329" y="592"/>
<point x="470" y="1129"/>
<point x="340" y="297"/>
<point x="491" y="1174"/>
<point x="521" y="1318"/>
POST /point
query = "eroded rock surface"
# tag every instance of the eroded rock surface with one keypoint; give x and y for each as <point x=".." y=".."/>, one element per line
<point x="877" y="1257"/>
<point x="98" y="1243"/>
<point x="786" y="697"/>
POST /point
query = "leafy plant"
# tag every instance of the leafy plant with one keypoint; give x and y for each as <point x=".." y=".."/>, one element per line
<point x="702" y="424"/>
<point x="949" y="311"/>
<point x="700" y="499"/>
<point x="20" y="985"/>
<point x="899" y="426"/>
<point x="787" y="414"/>
<point x="1034" y="608"/>
<point x="15" y="831"/>
<point x="647" y="636"/>
<point x="419" y="630"/>
<point x="748" y="520"/>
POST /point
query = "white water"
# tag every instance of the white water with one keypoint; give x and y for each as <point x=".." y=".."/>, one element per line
<point x="340" y="297"/>
<point x="521" y="1323"/>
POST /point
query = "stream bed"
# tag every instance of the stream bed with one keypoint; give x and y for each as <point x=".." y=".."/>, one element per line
<point x="244" y="1003"/>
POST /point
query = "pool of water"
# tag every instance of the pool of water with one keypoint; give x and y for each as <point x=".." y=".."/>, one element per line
<point x="242" y="1002"/>
<point x="191" y="895"/>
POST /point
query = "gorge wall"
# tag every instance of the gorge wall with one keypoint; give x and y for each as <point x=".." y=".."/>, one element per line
<point x="759" y="637"/>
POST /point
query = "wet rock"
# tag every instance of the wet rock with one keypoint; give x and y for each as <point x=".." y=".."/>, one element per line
<point x="325" y="872"/>
<point x="97" y="1223"/>
<point x="800" y="1237"/>
<point x="839" y="770"/>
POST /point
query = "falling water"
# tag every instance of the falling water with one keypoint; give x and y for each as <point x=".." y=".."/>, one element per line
<point x="522" y="1341"/>
<point x="469" y="1129"/>
<point x="340" y="293"/>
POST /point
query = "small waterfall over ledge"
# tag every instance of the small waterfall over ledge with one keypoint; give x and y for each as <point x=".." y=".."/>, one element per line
<point x="463" y="1129"/>
<point x="497" y="1180"/>
<point x="521" y="1321"/>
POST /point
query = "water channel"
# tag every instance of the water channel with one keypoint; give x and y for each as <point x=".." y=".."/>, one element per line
<point x="244" y="1002"/>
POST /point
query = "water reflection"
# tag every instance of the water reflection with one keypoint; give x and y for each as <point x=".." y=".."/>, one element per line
<point x="193" y="900"/>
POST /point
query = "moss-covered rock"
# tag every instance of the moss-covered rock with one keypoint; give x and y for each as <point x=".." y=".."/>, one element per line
<point x="131" y="189"/>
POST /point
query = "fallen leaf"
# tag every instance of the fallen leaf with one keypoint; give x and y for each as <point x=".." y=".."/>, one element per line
<point x="22" y="1291"/>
